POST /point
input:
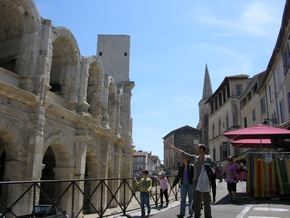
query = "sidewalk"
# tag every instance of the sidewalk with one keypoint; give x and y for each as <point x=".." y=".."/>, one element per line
<point x="136" y="211"/>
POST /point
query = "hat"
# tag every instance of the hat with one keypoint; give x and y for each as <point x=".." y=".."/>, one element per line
<point x="162" y="173"/>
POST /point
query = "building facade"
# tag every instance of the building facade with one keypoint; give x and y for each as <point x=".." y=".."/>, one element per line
<point x="185" y="138"/>
<point x="269" y="101"/>
<point x="143" y="160"/>
<point x="224" y="115"/>
<point x="263" y="99"/>
<point x="63" y="115"/>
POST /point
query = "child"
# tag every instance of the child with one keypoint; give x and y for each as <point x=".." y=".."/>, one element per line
<point x="163" y="187"/>
<point x="145" y="185"/>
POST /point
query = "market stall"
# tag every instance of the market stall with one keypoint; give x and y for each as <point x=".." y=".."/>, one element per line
<point x="268" y="172"/>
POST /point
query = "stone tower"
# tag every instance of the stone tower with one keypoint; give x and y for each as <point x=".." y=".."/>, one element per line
<point x="114" y="53"/>
<point x="204" y="108"/>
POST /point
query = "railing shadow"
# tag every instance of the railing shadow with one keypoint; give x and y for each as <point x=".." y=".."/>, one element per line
<point x="77" y="197"/>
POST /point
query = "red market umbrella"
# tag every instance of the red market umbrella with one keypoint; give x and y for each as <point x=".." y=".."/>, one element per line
<point x="257" y="143"/>
<point x="258" y="132"/>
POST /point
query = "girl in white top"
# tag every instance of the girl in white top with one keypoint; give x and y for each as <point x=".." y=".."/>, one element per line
<point x="163" y="187"/>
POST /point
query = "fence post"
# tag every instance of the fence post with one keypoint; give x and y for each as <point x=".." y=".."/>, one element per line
<point x="73" y="200"/>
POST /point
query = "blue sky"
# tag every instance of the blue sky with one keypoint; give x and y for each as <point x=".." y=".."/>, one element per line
<point x="171" y="42"/>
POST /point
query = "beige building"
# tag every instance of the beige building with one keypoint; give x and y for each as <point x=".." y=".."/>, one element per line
<point x="250" y="103"/>
<point x="224" y="115"/>
<point x="268" y="99"/>
<point x="265" y="99"/>
<point x="63" y="115"/>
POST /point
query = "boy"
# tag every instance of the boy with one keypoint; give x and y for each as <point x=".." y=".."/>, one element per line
<point x="145" y="185"/>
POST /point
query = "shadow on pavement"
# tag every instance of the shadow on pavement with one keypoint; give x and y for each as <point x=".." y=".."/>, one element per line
<point x="243" y="199"/>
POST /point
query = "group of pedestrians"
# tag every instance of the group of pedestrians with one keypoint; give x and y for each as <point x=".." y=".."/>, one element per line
<point x="145" y="186"/>
<point x="188" y="176"/>
<point x="198" y="162"/>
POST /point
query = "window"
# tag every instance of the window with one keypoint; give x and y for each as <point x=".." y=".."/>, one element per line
<point x="270" y="93"/>
<point x="282" y="112"/>
<point x="245" y="122"/>
<point x="140" y="158"/>
<point x="125" y="53"/>
<point x="239" y="89"/>
<point x="263" y="105"/>
<point x="288" y="96"/>
<point x="195" y="141"/>
<point x="224" y="150"/>
<point x="286" y="58"/>
<point x="254" y="115"/>
<point x="100" y="53"/>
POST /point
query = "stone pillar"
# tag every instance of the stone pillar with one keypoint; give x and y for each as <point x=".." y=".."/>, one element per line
<point x="62" y="173"/>
<point x="102" y="171"/>
<point x="126" y="118"/>
<point x="10" y="193"/>
<point x="80" y="163"/>
<point x="126" y="172"/>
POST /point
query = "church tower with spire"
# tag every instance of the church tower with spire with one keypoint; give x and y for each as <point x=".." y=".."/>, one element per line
<point x="203" y="124"/>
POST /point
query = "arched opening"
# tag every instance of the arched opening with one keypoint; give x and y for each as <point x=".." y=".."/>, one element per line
<point x="11" y="33"/>
<point x="64" y="66"/>
<point x="47" y="174"/>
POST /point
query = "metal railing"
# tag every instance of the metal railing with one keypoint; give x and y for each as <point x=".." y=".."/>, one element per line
<point x="76" y="197"/>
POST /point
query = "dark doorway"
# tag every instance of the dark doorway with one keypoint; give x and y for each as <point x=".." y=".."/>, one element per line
<point x="47" y="174"/>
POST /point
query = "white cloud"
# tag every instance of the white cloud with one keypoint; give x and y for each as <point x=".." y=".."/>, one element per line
<point x="257" y="18"/>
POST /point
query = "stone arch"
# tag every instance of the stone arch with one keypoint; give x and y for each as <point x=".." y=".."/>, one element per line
<point x="65" y="67"/>
<point x="92" y="171"/>
<point x="19" y="18"/>
<point x="61" y="148"/>
<point x="13" y="160"/>
<point x="59" y="160"/>
<point x="13" y="140"/>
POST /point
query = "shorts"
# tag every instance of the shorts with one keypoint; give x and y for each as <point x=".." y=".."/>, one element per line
<point x="232" y="186"/>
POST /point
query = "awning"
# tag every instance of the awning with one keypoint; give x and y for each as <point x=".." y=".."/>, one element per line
<point x="239" y="156"/>
<point x="260" y="143"/>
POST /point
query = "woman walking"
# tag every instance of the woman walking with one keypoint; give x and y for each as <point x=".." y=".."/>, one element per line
<point x="185" y="174"/>
<point x="231" y="170"/>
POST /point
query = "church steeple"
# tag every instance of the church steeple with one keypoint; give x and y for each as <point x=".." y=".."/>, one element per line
<point x="204" y="108"/>
<point x="207" y="91"/>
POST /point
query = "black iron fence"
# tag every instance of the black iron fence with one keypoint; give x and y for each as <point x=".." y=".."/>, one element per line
<point x="76" y="198"/>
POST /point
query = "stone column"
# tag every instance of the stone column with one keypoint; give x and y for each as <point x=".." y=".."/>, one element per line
<point x="126" y="119"/>
<point x="62" y="173"/>
<point x="10" y="193"/>
<point x="80" y="163"/>
<point x="102" y="172"/>
<point x="127" y="159"/>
